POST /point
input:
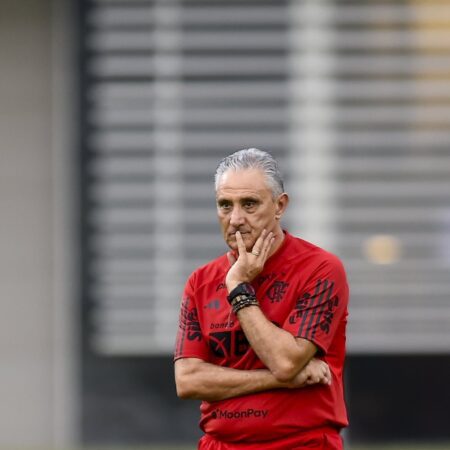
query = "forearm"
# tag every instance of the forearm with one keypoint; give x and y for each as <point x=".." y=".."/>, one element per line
<point x="200" y="380"/>
<point x="279" y="350"/>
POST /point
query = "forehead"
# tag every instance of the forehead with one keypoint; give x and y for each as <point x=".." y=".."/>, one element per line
<point x="243" y="182"/>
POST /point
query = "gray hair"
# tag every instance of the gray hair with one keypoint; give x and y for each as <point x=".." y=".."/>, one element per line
<point x="253" y="158"/>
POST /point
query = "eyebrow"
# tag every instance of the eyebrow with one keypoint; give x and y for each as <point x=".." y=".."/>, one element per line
<point x="242" y="200"/>
<point x="250" y="199"/>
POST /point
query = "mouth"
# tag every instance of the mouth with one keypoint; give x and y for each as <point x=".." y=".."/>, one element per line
<point x="233" y="235"/>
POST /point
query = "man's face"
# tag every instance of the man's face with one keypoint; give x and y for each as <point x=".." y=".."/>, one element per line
<point x="245" y="204"/>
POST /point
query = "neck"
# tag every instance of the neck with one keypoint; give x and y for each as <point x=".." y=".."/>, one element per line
<point x="279" y="238"/>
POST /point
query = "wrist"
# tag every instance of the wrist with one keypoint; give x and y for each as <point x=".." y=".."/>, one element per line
<point x="233" y="284"/>
<point x="242" y="301"/>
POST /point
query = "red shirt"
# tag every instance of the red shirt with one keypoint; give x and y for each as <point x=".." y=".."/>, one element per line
<point x="302" y="289"/>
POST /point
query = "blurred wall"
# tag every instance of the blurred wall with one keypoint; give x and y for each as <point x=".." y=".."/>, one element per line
<point x="353" y="99"/>
<point x="30" y="379"/>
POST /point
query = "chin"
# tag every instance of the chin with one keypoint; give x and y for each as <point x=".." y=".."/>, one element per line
<point x="231" y="243"/>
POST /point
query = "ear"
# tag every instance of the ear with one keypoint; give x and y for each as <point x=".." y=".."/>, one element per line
<point x="281" y="205"/>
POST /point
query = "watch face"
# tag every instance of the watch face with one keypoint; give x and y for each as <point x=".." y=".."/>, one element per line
<point x="243" y="288"/>
<point x="247" y="288"/>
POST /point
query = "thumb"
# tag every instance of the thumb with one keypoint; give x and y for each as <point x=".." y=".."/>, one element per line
<point x="231" y="258"/>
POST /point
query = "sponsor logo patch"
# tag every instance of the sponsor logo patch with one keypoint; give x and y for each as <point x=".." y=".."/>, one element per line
<point x="213" y="304"/>
<point x="240" y="414"/>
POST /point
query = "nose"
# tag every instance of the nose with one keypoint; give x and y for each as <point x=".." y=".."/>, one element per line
<point x="236" y="217"/>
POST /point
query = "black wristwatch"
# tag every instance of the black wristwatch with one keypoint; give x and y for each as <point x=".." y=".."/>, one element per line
<point x="241" y="289"/>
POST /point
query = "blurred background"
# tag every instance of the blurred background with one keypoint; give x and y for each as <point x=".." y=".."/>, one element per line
<point x="113" y="117"/>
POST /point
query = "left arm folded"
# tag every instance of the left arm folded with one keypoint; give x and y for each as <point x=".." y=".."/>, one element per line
<point x="282" y="353"/>
<point x="310" y="327"/>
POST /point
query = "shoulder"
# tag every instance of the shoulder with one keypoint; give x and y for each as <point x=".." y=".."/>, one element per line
<point x="316" y="258"/>
<point x="324" y="272"/>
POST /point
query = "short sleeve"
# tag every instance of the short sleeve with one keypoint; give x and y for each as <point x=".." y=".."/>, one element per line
<point x="190" y="342"/>
<point x="321" y="306"/>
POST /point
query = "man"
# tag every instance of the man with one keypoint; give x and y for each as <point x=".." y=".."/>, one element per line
<point x="261" y="338"/>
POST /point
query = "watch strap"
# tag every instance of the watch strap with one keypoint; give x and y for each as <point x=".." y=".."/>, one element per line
<point x="241" y="289"/>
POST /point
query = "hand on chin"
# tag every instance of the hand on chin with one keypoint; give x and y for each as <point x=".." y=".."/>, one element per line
<point x="249" y="241"/>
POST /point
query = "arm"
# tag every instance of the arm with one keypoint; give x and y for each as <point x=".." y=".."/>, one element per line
<point x="197" y="379"/>
<point x="283" y="354"/>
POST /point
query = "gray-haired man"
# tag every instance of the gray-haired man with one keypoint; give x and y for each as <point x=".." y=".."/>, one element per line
<point x="261" y="337"/>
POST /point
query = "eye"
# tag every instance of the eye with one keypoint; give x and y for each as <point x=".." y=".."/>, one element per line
<point x="249" y="204"/>
<point x="224" y="206"/>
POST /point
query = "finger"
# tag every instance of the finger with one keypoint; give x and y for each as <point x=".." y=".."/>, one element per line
<point x="259" y="244"/>
<point x="262" y="241"/>
<point x="240" y="243"/>
<point x="267" y="245"/>
<point x="326" y="375"/>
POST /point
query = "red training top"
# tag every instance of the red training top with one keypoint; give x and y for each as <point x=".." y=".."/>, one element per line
<point x="302" y="289"/>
